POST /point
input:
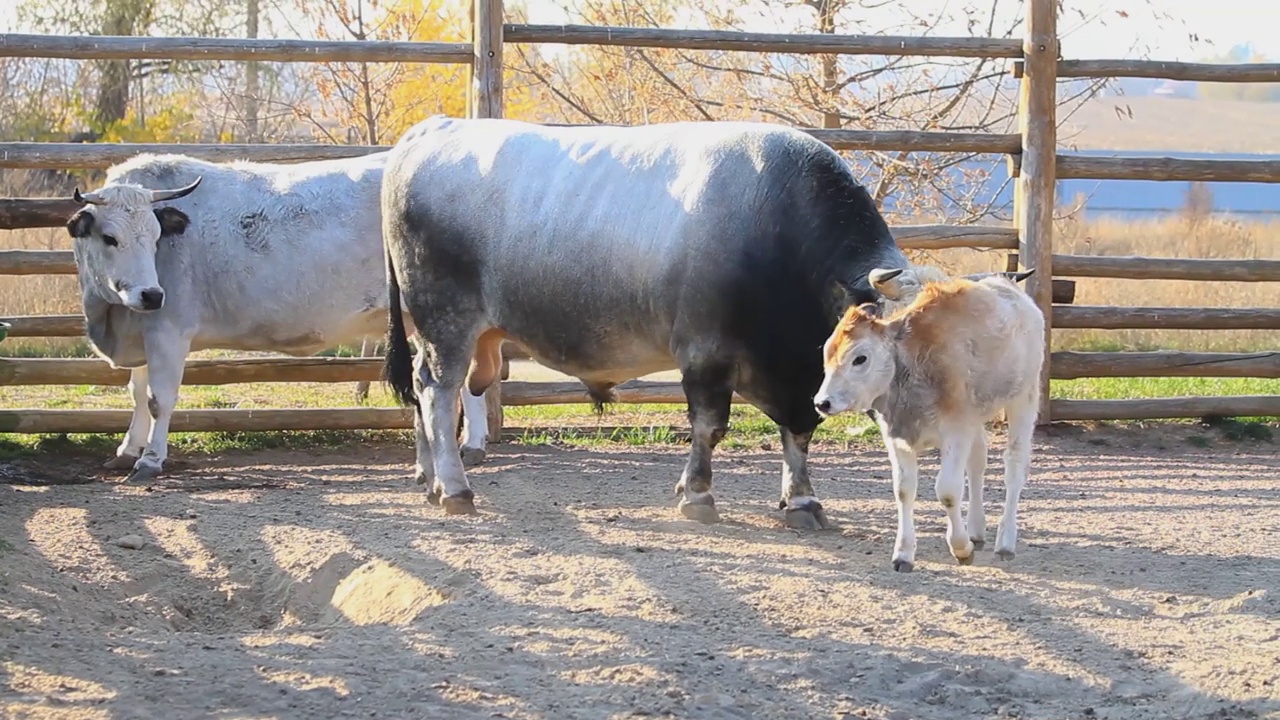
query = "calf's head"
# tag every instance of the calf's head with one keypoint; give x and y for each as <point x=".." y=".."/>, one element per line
<point x="858" y="362"/>
<point x="116" y="233"/>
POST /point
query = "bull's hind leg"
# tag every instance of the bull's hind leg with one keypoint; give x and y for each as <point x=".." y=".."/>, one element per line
<point x="803" y="511"/>
<point x="441" y="367"/>
<point x="709" y="390"/>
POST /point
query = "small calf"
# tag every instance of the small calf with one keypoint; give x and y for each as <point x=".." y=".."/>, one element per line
<point x="934" y="372"/>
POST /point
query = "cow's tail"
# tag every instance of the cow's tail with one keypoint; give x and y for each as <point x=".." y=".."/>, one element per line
<point x="397" y="366"/>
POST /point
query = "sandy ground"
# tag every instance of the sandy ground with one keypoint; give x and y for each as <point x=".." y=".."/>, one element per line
<point x="280" y="585"/>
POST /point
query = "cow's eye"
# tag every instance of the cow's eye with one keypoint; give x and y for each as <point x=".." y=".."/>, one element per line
<point x="110" y="240"/>
<point x="860" y="359"/>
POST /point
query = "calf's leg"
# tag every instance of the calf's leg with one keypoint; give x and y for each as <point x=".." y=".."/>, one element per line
<point x="135" y="439"/>
<point x="905" y="467"/>
<point x="1017" y="465"/>
<point x="976" y="468"/>
<point x="709" y="389"/>
<point x="954" y="451"/>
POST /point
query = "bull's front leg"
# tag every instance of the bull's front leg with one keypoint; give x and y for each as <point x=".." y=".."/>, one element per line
<point x="135" y="438"/>
<point x="166" y="360"/>
<point x="709" y="391"/>
<point x="799" y="502"/>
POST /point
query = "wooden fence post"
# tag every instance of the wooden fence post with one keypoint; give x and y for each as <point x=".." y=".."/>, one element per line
<point x="485" y="101"/>
<point x="1034" y="191"/>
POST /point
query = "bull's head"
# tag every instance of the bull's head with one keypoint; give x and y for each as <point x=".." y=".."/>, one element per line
<point x="116" y="233"/>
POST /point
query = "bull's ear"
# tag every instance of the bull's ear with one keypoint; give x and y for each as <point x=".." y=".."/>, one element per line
<point x="843" y="295"/>
<point x="81" y="224"/>
<point x="871" y="310"/>
<point x="172" y="221"/>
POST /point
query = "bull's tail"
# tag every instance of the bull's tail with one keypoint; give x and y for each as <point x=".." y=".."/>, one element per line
<point x="397" y="366"/>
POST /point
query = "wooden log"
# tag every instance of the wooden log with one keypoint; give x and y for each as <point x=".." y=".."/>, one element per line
<point x="1162" y="169"/>
<point x="117" y="47"/>
<point x="22" y="213"/>
<point x="1064" y="291"/>
<point x="1034" y="200"/>
<point x="1167" y="408"/>
<point x="92" y="371"/>
<point x="1146" y="268"/>
<point x="1069" y="365"/>
<point x="1107" y="317"/>
<point x="37" y="262"/>
<point x="799" y="44"/>
<point x="77" y="156"/>
<point x="1162" y="70"/>
<point x="918" y="140"/>
<point x="942" y="237"/>
<point x="485" y="99"/>
<point x="520" y="392"/>
<point x="46" y="325"/>
<point x="41" y="420"/>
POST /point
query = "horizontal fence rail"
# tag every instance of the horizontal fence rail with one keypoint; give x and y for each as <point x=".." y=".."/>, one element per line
<point x="1110" y="317"/>
<point x="798" y="44"/>
<point x="1146" y="268"/>
<point x="1164" y="169"/>
<point x="125" y="47"/>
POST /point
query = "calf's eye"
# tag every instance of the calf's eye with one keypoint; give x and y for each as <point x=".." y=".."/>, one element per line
<point x="860" y="359"/>
<point x="110" y="240"/>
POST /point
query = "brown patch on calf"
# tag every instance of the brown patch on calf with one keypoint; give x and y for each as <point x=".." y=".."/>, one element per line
<point x="486" y="364"/>
<point x="857" y="321"/>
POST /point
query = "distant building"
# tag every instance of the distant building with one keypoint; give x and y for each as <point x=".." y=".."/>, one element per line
<point x="1174" y="88"/>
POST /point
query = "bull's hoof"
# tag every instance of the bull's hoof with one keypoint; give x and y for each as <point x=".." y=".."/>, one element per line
<point x="807" y="516"/>
<point x="903" y="566"/>
<point x="472" y="456"/>
<point x="142" y="474"/>
<point x="704" y="513"/>
<point x="1005" y="555"/>
<point x="121" y="462"/>
<point x="463" y="504"/>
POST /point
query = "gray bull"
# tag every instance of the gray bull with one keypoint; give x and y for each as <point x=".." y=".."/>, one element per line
<point x="726" y="250"/>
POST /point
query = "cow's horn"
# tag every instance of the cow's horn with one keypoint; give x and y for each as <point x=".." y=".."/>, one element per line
<point x="162" y="195"/>
<point x="86" y="199"/>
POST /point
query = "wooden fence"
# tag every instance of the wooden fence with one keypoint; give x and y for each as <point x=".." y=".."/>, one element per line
<point x="1033" y="160"/>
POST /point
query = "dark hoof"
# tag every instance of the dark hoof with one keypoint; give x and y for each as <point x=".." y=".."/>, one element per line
<point x="978" y="543"/>
<point x="903" y="566"/>
<point x="143" y="474"/>
<point x="459" y="504"/>
<point x="704" y="513"/>
<point x="809" y="516"/>
<point x="472" y="456"/>
<point x="965" y="560"/>
<point x="121" y="462"/>
<point x="1005" y="555"/>
<point x="420" y="479"/>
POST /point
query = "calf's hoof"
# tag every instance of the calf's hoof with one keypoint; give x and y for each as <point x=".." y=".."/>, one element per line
<point x="1005" y="555"/>
<point x="121" y="462"/>
<point x="978" y="543"/>
<point x="464" y="504"/>
<point x="472" y="456"/>
<point x="903" y="566"/>
<point x="806" y="515"/>
<point x="703" y="512"/>
<point x="968" y="560"/>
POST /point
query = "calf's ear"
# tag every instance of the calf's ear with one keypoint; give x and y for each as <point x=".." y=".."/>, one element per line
<point x="172" y="221"/>
<point x="81" y="224"/>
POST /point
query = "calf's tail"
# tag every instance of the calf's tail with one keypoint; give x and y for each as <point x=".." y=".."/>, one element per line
<point x="397" y="366"/>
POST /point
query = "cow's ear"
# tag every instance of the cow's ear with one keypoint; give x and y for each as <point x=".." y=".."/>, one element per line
<point x="81" y="224"/>
<point x="172" y="221"/>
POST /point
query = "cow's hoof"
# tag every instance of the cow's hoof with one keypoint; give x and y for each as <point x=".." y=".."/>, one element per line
<point x="704" y="513"/>
<point x="1005" y="555"/>
<point x="978" y="543"/>
<point x="462" y="504"/>
<point x="121" y="462"/>
<point x="903" y="566"/>
<point x="142" y="474"/>
<point x="472" y="456"/>
<point x="422" y="479"/>
<point x="807" y="516"/>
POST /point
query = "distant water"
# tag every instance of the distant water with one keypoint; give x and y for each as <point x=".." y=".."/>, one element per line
<point x="1133" y="199"/>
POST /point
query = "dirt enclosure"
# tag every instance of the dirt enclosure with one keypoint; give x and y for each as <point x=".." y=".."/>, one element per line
<point x="284" y="585"/>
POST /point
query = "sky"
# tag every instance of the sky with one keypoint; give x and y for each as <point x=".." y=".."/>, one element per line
<point x="1102" y="33"/>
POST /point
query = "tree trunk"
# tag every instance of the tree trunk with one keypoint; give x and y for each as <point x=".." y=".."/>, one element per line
<point x="122" y="17"/>
<point x="830" y="71"/>
<point x="251" y="88"/>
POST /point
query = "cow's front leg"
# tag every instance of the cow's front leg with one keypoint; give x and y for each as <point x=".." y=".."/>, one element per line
<point x="475" y="428"/>
<point x="905" y="468"/>
<point x="801" y="506"/>
<point x="438" y="403"/>
<point x="135" y="438"/>
<point x="166" y="358"/>
<point x="709" y="391"/>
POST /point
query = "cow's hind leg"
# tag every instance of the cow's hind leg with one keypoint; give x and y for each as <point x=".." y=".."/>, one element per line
<point x="975" y="470"/>
<point x="709" y="390"/>
<point x="135" y="439"/>
<point x="367" y="346"/>
<point x="803" y="511"/>
<point x="441" y="367"/>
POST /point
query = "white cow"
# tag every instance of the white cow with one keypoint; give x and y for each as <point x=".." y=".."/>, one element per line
<point x="934" y="372"/>
<point x="263" y="257"/>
